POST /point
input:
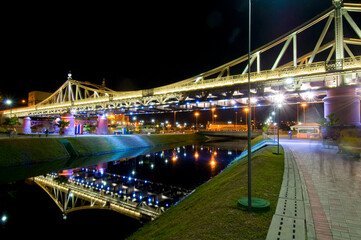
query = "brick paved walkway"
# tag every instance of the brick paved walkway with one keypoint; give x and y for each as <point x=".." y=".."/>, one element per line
<point x="333" y="183"/>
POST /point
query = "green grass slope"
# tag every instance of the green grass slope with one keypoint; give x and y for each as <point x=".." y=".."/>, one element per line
<point x="211" y="212"/>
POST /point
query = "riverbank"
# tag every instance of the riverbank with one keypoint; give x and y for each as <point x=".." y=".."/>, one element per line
<point x="25" y="151"/>
<point x="211" y="211"/>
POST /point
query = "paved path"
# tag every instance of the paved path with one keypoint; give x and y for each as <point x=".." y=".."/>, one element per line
<point x="333" y="183"/>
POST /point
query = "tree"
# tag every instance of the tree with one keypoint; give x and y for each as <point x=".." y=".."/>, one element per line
<point x="11" y="121"/>
<point x="62" y="124"/>
<point x="89" y="128"/>
<point x="332" y="121"/>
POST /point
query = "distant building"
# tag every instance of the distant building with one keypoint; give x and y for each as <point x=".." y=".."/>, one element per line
<point x="307" y="130"/>
<point x="226" y="127"/>
<point x="36" y="97"/>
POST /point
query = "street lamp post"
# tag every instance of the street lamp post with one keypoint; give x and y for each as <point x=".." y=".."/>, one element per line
<point x="9" y="103"/>
<point x="246" y="111"/>
<point x="260" y="204"/>
<point x="196" y="114"/>
<point x="249" y="106"/>
<point x="304" y="105"/>
<point x="213" y="109"/>
<point x="278" y="129"/>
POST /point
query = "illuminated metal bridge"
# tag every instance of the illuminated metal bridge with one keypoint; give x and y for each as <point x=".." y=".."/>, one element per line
<point x="326" y="65"/>
<point x="139" y="199"/>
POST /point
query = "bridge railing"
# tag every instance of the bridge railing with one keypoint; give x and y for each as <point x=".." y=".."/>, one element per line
<point x="313" y="68"/>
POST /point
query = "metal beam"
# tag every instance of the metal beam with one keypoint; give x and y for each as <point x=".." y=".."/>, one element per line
<point x="338" y="30"/>
<point x="352" y="23"/>
<point x="282" y="52"/>
<point x="318" y="44"/>
<point x="294" y="50"/>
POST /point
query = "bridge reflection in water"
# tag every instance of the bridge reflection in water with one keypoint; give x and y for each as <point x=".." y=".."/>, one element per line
<point x="92" y="189"/>
<point x="120" y="186"/>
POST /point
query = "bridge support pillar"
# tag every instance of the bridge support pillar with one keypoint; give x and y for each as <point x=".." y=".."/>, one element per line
<point x="27" y="125"/>
<point x="102" y="125"/>
<point x="69" y="130"/>
<point x="345" y="103"/>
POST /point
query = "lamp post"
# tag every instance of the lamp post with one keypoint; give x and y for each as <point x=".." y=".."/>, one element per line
<point x="213" y="109"/>
<point x="9" y="102"/>
<point x="246" y="111"/>
<point x="196" y="114"/>
<point x="249" y="107"/>
<point x="278" y="129"/>
<point x="260" y="204"/>
<point x="304" y="105"/>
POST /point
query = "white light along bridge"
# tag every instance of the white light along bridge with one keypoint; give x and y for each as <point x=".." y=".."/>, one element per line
<point x="330" y="69"/>
<point x="71" y="197"/>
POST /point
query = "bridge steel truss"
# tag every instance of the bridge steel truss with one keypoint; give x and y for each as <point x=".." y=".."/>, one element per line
<point x="333" y="71"/>
<point x="70" y="198"/>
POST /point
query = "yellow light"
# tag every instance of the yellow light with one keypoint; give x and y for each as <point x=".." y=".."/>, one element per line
<point x="196" y="155"/>
<point x="304" y="105"/>
<point x="196" y="114"/>
<point x="213" y="163"/>
<point x="246" y="109"/>
<point x="174" y="158"/>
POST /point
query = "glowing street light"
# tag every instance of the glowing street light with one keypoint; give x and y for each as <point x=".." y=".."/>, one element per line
<point x="8" y="102"/>
<point x="246" y="110"/>
<point x="213" y="110"/>
<point x="304" y="105"/>
<point x="196" y="114"/>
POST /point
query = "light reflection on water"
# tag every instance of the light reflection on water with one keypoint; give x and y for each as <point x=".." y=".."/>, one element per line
<point x="157" y="180"/>
<point x="186" y="166"/>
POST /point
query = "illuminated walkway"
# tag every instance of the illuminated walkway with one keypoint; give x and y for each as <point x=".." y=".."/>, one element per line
<point x="333" y="183"/>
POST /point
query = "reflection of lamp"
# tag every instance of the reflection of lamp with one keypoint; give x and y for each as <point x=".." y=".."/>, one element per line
<point x="212" y="162"/>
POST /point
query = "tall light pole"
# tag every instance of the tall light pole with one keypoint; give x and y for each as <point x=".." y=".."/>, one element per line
<point x="243" y="202"/>
<point x="249" y="107"/>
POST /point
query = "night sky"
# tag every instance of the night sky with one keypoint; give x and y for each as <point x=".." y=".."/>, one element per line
<point x="134" y="44"/>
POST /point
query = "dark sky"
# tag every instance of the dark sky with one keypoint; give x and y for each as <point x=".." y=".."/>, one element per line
<point x="134" y="44"/>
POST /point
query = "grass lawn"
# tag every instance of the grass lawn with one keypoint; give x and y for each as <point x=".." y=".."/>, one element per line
<point x="29" y="150"/>
<point x="211" y="212"/>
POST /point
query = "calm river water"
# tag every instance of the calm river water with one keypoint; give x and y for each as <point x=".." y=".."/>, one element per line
<point x="26" y="209"/>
